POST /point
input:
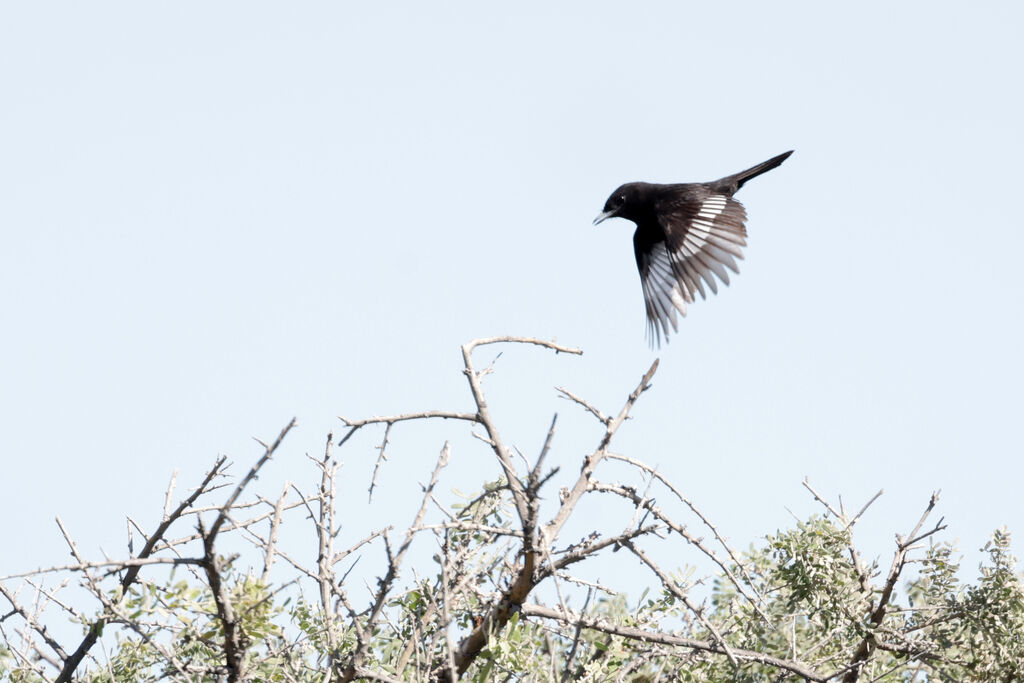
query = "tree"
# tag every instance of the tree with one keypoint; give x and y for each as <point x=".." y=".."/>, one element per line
<point x="803" y="606"/>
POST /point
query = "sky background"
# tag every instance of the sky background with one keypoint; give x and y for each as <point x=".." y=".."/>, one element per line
<point x="217" y="216"/>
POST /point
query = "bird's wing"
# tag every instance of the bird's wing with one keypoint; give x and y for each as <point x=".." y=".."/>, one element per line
<point x="704" y="236"/>
<point x="698" y="238"/>
<point x="662" y="291"/>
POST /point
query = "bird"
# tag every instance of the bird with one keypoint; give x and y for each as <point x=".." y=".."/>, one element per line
<point x="686" y="233"/>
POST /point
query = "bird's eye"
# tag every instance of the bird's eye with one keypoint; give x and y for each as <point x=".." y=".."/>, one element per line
<point x="620" y="200"/>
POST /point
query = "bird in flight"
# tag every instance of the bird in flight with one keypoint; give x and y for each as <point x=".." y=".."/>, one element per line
<point x="685" y="233"/>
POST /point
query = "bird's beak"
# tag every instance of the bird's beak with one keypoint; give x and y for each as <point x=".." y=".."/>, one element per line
<point x="603" y="216"/>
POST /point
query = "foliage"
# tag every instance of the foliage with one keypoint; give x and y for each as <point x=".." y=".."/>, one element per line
<point x="802" y="605"/>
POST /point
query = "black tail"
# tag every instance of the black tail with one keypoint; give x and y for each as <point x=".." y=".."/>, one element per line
<point x="735" y="181"/>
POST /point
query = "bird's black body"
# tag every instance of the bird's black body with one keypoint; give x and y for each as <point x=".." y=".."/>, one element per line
<point x="685" y="235"/>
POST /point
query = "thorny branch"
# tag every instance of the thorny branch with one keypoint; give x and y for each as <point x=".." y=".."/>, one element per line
<point x="72" y="662"/>
<point x="603" y="626"/>
<point x="489" y="563"/>
<point x="394" y="563"/>
<point x="903" y="546"/>
<point x="235" y="640"/>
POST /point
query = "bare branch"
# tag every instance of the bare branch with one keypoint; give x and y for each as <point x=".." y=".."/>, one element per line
<point x="693" y="508"/>
<point x="393" y="566"/>
<point x="899" y="560"/>
<point x="169" y="493"/>
<point x="30" y="621"/>
<point x="566" y="671"/>
<point x="483" y="416"/>
<point x="592" y="545"/>
<point x="355" y="425"/>
<point x="268" y="452"/>
<point x="856" y="517"/>
<point x="594" y="624"/>
<point x="272" y="537"/>
<point x="586" y="405"/>
<point x="72" y="662"/>
<point x="116" y="565"/>
<point x="637" y="500"/>
<point x="557" y="348"/>
<point x="234" y="643"/>
<point x="381" y="457"/>
<point x="818" y="497"/>
<point x="525" y="580"/>
<point x="670" y="586"/>
<point x="591" y="462"/>
<point x="535" y="472"/>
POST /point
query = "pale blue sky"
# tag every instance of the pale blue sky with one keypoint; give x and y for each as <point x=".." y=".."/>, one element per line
<point x="216" y="216"/>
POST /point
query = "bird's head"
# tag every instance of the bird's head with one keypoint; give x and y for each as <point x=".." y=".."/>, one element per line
<point x="628" y="201"/>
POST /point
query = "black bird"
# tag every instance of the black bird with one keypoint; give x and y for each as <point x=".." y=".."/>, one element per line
<point x="684" y="233"/>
